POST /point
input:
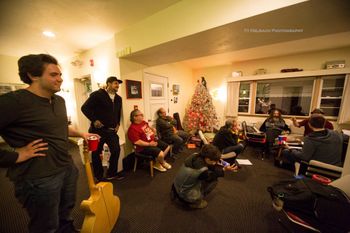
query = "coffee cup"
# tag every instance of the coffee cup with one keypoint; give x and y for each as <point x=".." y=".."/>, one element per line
<point x="93" y="143"/>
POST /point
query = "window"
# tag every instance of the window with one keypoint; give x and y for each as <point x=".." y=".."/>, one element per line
<point x="291" y="96"/>
<point x="244" y="97"/>
<point x="156" y="90"/>
<point x="331" y="94"/>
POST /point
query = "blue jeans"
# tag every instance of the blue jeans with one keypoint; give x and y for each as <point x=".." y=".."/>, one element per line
<point x="49" y="201"/>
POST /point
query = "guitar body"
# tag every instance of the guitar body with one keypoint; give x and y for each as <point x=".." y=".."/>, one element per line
<point x="102" y="208"/>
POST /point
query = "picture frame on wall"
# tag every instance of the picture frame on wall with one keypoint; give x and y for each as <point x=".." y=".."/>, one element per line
<point x="133" y="89"/>
<point x="176" y="89"/>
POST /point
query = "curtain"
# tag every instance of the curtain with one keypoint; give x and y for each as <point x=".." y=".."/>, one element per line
<point x="232" y="99"/>
<point x="344" y="113"/>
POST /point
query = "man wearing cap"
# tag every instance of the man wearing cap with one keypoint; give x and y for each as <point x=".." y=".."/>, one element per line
<point x="103" y="109"/>
<point x="305" y="122"/>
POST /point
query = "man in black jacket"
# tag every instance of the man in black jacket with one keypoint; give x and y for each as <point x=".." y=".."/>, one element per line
<point x="103" y="109"/>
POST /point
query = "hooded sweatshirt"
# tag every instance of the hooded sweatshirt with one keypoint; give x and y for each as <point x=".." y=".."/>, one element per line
<point x="324" y="146"/>
<point x="189" y="178"/>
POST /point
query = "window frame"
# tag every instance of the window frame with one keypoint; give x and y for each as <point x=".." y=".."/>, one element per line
<point x="316" y="89"/>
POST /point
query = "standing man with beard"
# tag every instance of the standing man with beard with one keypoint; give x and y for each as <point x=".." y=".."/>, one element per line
<point x="34" y="124"/>
<point x="103" y="109"/>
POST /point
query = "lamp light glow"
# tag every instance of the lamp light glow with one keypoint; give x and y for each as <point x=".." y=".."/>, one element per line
<point x="49" y="34"/>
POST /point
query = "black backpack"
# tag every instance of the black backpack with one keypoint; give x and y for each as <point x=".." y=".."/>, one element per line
<point x="323" y="206"/>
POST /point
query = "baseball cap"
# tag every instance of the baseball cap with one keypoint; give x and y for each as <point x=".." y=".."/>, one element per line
<point x="113" y="79"/>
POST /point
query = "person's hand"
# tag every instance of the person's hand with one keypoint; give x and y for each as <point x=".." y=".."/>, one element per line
<point x="31" y="150"/>
<point x="233" y="167"/>
<point x="285" y="145"/>
<point x="153" y="143"/>
<point x="294" y="119"/>
<point x="116" y="129"/>
<point x="98" y="124"/>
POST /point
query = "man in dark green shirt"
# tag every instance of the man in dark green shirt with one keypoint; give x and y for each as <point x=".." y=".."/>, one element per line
<point x="36" y="128"/>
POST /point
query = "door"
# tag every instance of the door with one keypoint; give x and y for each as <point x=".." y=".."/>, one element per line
<point x="156" y="96"/>
<point x="82" y="88"/>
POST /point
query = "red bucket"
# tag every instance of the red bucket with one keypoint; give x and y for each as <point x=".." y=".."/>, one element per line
<point x="93" y="143"/>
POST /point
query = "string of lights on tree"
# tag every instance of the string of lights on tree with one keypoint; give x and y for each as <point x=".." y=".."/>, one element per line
<point x="201" y="114"/>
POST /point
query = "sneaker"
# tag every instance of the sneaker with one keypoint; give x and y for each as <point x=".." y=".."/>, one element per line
<point x="159" y="167"/>
<point x="116" y="177"/>
<point x="200" y="205"/>
<point x="166" y="165"/>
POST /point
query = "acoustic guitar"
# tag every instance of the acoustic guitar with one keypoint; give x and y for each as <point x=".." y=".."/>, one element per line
<point x="102" y="208"/>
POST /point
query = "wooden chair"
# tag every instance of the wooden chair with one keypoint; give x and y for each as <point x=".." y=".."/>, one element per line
<point x="144" y="157"/>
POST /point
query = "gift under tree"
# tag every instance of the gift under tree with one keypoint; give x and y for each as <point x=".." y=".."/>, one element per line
<point x="201" y="114"/>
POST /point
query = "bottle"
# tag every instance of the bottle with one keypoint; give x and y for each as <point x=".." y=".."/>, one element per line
<point x="106" y="154"/>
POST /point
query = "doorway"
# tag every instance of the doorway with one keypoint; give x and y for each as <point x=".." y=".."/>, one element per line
<point x="156" y="95"/>
<point x="82" y="88"/>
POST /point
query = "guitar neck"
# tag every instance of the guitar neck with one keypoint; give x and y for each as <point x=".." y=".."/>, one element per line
<point x="90" y="178"/>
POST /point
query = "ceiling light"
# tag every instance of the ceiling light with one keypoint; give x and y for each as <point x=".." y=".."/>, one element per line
<point x="49" y="34"/>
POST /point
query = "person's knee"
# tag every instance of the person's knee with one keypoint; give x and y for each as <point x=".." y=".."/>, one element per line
<point x="161" y="155"/>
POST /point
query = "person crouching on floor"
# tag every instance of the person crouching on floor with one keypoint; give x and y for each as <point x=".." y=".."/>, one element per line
<point x="198" y="176"/>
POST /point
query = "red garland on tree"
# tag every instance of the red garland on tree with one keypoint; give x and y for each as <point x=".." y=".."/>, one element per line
<point x="201" y="114"/>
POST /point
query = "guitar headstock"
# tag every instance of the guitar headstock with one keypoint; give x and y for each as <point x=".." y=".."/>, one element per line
<point x="86" y="152"/>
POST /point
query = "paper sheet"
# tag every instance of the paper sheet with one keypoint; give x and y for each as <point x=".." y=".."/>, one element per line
<point x="243" y="162"/>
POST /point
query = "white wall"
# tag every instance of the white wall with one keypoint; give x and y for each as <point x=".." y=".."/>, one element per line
<point x="105" y="64"/>
<point x="9" y="69"/>
<point x="305" y="61"/>
<point x="181" y="75"/>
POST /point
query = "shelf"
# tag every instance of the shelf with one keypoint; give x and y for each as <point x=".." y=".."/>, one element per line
<point x="328" y="107"/>
<point x="311" y="73"/>
<point x="330" y="97"/>
<point x="332" y="88"/>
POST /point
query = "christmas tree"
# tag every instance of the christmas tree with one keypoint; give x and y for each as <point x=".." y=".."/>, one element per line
<point x="201" y="115"/>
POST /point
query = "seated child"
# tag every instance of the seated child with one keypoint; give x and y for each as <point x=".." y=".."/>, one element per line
<point x="198" y="175"/>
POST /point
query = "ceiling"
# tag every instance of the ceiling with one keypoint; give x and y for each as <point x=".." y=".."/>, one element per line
<point x="80" y="25"/>
<point x="316" y="25"/>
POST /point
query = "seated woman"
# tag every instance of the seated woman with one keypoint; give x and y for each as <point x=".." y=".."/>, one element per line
<point x="273" y="126"/>
<point x="143" y="137"/>
<point x="226" y="140"/>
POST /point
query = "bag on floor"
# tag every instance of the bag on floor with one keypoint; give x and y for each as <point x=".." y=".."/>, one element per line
<point x="323" y="206"/>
